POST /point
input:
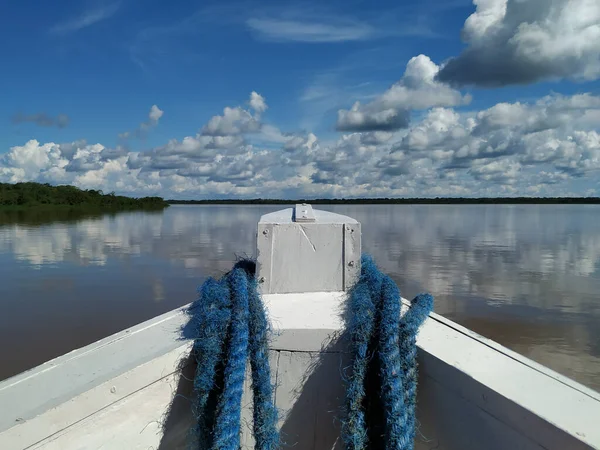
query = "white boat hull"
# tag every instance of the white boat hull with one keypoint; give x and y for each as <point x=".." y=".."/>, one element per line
<point x="122" y="392"/>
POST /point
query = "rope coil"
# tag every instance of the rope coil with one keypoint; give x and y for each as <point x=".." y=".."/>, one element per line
<point x="231" y="326"/>
<point x="382" y="387"/>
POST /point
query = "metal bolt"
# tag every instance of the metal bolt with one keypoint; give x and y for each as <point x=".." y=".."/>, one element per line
<point x="265" y="232"/>
<point x="351" y="263"/>
<point x="261" y="280"/>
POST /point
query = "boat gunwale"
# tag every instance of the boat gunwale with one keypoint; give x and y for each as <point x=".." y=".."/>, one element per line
<point x="162" y="334"/>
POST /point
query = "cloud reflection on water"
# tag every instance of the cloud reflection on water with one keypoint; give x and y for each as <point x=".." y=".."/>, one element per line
<point x="527" y="276"/>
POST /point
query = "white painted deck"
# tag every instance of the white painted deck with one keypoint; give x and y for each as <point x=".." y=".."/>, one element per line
<point x="118" y="393"/>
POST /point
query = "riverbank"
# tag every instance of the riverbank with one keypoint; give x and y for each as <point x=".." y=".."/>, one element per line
<point x="22" y="196"/>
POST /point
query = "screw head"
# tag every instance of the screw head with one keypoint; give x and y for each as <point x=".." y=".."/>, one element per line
<point x="265" y="232"/>
<point x="261" y="280"/>
<point x="351" y="263"/>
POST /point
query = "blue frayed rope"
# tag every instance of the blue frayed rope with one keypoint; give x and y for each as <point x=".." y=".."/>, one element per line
<point x="381" y="390"/>
<point x="230" y="326"/>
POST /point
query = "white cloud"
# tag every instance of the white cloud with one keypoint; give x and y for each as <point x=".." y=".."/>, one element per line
<point x="257" y="103"/>
<point x="236" y="121"/>
<point x="86" y="159"/>
<point x="27" y="162"/>
<point x="371" y="118"/>
<point x="506" y="146"/>
<point x="320" y="23"/>
<point x="86" y="19"/>
<point x="155" y="114"/>
<point x="517" y="42"/>
<point x="510" y="148"/>
<point x="154" y="117"/>
<point x="416" y="90"/>
<point x="328" y="92"/>
<point x="500" y="171"/>
<point x="439" y="128"/>
<point x="310" y="30"/>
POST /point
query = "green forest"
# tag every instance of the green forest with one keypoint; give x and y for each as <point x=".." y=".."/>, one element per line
<point x="35" y="195"/>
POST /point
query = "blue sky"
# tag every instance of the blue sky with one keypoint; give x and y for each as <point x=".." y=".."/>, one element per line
<point x="119" y="95"/>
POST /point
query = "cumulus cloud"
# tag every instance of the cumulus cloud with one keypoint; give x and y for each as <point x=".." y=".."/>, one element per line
<point x="155" y="114"/>
<point x="257" y="103"/>
<point x="300" y="150"/>
<point x="371" y="118"/>
<point x="42" y="119"/>
<point x="505" y="146"/>
<point x="515" y="148"/>
<point x="518" y="42"/>
<point x="552" y="130"/>
<point x="501" y="171"/>
<point x="236" y="121"/>
<point x="348" y="161"/>
<point x="416" y="90"/>
<point x="86" y="159"/>
<point x="32" y="161"/>
<point x="153" y="118"/>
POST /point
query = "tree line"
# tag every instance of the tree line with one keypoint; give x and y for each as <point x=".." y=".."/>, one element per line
<point x="37" y="194"/>
<point x="393" y="201"/>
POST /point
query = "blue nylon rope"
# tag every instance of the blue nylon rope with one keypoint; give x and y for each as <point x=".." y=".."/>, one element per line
<point x="361" y="313"/>
<point x="381" y="339"/>
<point x="209" y="317"/>
<point x="227" y="429"/>
<point x="420" y="308"/>
<point x="231" y="326"/>
<point x="264" y="414"/>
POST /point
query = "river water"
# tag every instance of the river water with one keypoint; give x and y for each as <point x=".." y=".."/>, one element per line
<point x="527" y="276"/>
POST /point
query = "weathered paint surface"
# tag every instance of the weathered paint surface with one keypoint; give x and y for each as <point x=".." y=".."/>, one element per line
<point x="125" y="412"/>
<point x="30" y="393"/>
<point x="473" y="393"/>
<point x="322" y="255"/>
<point x="311" y="396"/>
